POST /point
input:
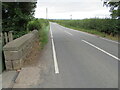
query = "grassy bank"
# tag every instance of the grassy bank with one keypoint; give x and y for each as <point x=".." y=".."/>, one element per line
<point x="44" y="36"/>
<point x="102" y="27"/>
<point x="42" y="26"/>
<point x="95" y="32"/>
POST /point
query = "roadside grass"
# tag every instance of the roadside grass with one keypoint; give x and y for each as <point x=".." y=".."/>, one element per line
<point x="91" y="31"/>
<point x="44" y="35"/>
<point x="42" y="25"/>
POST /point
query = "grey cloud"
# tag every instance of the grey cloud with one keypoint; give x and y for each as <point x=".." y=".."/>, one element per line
<point x="85" y="8"/>
<point x="72" y="6"/>
<point x="69" y="0"/>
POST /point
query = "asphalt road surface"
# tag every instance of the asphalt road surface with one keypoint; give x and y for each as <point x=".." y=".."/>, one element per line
<point x="83" y="60"/>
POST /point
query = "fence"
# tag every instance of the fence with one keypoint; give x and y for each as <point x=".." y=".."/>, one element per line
<point x="6" y="36"/>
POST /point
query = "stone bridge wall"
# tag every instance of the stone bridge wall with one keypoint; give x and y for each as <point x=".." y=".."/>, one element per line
<point x="17" y="50"/>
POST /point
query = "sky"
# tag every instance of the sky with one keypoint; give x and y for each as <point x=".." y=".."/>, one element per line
<point x="79" y="9"/>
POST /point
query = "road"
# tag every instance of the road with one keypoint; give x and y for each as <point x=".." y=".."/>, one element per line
<point x="84" y="60"/>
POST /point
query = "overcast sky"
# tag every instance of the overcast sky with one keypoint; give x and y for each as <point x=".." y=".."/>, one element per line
<point x="79" y="9"/>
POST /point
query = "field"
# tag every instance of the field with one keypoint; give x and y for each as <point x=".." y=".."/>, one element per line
<point x="103" y="27"/>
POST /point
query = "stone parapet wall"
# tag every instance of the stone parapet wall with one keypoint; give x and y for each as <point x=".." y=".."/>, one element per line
<point x="17" y="50"/>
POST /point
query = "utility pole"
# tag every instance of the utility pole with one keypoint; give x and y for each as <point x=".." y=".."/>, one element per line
<point x="71" y="16"/>
<point x="46" y="13"/>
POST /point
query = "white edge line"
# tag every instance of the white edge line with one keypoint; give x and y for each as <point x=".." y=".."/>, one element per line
<point x="89" y="34"/>
<point x="68" y="33"/>
<point x="110" y="40"/>
<point x="54" y="54"/>
<point x="101" y="50"/>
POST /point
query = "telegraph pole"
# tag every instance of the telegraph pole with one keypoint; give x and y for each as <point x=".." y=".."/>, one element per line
<point x="46" y="13"/>
<point x="71" y="16"/>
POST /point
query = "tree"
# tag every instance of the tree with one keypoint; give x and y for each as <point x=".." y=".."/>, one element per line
<point x="114" y="8"/>
<point x="15" y="15"/>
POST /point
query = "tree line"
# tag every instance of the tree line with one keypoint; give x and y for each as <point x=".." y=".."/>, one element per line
<point x="16" y="15"/>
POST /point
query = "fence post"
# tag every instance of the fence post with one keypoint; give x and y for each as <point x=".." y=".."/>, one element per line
<point x="10" y="35"/>
<point x="2" y="38"/>
<point x="6" y="37"/>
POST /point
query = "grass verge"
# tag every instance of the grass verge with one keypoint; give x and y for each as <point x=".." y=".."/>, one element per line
<point x="42" y="25"/>
<point x="44" y="36"/>
<point x="95" y="32"/>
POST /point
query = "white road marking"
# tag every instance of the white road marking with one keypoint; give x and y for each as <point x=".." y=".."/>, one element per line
<point x="77" y="31"/>
<point x="68" y="33"/>
<point x="110" y="40"/>
<point x="88" y="34"/>
<point x="101" y="50"/>
<point x="54" y="54"/>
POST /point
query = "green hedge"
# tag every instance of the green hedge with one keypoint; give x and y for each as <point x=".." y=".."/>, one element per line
<point x="107" y="26"/>
<point x="37" y="24"/>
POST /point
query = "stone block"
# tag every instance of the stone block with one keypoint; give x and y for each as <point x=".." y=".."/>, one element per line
<point x="9" y="65"/>
<point x="13" y="55"/>
<point x="17" y="64"/>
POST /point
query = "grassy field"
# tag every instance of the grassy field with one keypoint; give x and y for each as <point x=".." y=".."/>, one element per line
<point x="102" y="27"/>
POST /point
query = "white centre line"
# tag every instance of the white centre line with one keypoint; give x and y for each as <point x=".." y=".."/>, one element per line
<point x="101" y="50"/>
<point x="77" y="31"/>
<point x="68" y="33"/>
<point x="54" y="54"/>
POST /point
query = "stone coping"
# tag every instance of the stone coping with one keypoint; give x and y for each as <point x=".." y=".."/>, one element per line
<point x="16" y="44"/>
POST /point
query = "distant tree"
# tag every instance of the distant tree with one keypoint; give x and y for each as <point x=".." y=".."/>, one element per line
<point x="15" y="15"/>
